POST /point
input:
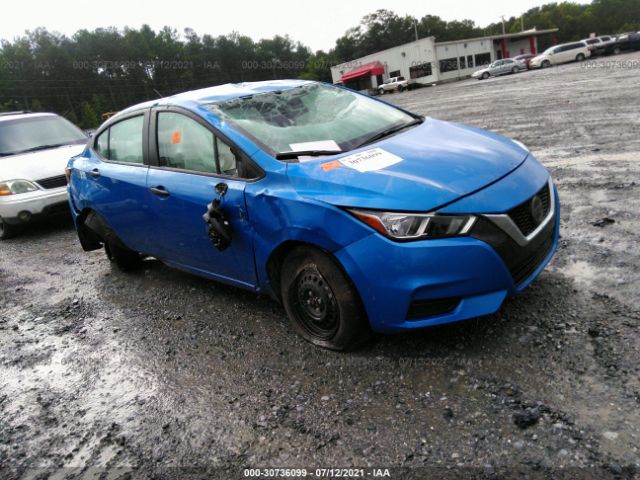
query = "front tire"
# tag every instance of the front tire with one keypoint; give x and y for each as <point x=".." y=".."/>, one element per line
<point x="321" y="302"/>
<point x="125" y="259"/>
<point x="485" y="75"/>
<point x="381" y="91"/>
<point x="8" y="230"/>
<point x="546" y="64"/>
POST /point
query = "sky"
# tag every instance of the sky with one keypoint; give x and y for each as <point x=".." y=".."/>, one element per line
<point x="316" y="24"/>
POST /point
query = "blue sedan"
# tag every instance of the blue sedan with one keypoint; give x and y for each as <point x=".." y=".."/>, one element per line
<point x="355" y="214"/>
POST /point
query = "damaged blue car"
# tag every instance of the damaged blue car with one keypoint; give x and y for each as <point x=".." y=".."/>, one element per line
<point x="355" y="214"/>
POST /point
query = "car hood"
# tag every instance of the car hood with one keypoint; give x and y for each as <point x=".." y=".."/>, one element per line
<point x="37" y="165"/>
<point x="420" y="169"/>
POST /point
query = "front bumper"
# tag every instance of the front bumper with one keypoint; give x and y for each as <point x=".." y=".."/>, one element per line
<point x="465" y="275"/>
<point x="17" y="209"/>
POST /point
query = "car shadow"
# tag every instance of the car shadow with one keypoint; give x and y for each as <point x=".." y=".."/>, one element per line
<point x="200" y="296"/>
<point x="43" y="228"/>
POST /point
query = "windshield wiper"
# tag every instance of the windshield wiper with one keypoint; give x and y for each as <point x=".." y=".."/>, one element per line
<point x="35" y="149"/>
<point x="305" y="153"/>
<point x="389" y="131"/>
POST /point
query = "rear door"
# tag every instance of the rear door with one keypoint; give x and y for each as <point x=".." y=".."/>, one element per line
<point x="116" y="178"/>
<point x="508" y="65"/>
<point x="188" y="160"/>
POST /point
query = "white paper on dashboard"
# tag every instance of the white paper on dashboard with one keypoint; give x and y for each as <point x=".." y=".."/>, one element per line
<point x="328" y="145"/>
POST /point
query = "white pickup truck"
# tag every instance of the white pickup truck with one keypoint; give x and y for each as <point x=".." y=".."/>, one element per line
<point x="393" y="84"/>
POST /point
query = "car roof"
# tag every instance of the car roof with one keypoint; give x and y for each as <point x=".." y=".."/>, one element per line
<point x="194" y="98"/>
<point x="5" y="116"/>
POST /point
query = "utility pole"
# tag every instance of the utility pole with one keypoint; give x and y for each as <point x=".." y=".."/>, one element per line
<point x="415" y="28"/>
<point x="503" y="28"/>
<point x="522" y="23"/>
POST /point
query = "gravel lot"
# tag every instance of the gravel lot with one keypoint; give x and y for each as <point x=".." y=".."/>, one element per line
<point x="162" y="374"/>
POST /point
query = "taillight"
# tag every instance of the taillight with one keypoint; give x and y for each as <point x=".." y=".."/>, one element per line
<point x="67" y="173"/>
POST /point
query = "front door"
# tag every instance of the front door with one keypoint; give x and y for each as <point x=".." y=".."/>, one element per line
<point x="191" y="161"/>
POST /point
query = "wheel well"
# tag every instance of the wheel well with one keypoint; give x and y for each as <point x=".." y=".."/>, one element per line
<point x="274" y="264"/>
<point x="89" y="238"/>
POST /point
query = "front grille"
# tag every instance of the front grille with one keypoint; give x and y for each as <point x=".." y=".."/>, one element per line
<point x="430" y="308"/>
<point x="53" y="182"/>
<point x="522" y="216"/>
<point x="523" y="270"/>
<point x="521" y="261"/>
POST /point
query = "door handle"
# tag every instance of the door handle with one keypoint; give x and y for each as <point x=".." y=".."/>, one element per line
<point x="160" y="191"/>
<point x="95" y="172"/>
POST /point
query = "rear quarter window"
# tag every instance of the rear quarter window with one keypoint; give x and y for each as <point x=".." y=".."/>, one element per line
<point x="122" y="142"/>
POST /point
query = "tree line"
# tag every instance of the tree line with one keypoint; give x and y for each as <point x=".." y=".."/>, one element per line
<point x="94" y="72"/>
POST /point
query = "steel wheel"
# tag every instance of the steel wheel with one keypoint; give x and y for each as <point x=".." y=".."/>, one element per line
<point x="321" y="302"/>
<point x="315" y="304"/>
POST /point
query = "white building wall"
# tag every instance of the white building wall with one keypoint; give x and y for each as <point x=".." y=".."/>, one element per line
<point x="453" y="51"/>
<point x="395" y="59"/>
<point x="520" y="45"/>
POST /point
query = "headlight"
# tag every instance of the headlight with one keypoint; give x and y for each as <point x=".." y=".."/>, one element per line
<point x="413" y="226"/>
<point x="520" y="144"/>
<point x="15" y="187"/>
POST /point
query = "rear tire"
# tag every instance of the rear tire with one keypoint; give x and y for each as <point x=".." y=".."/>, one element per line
<point x="580" y="57"/>
<point x="321" y="302"/>
<point x="125" y="259"/>
<point x="400" y="89"/>
<point x="616" y="51"/>
<point x="514" y="70"/>
<point x="8" y="230"/>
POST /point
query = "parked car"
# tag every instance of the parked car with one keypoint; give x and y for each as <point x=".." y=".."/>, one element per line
<point x="499" y="67"/>
<point x="598" y="42"/>
<point x="393" y="84"/>
<point x="621" y="43"/>
<point x="566" y="52"/>
<point x="355" y="214"/>
<point x="524" y="59"/>
<point x="34" y="151"/>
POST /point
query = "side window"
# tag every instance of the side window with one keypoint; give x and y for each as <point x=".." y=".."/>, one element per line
<point x="184" y="143"/>
<point x="125" y="140"/>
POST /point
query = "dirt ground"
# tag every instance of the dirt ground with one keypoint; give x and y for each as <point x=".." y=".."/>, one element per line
<point x="159" y="374"/>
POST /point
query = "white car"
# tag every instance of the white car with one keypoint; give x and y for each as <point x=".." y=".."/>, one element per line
<point x="34" y="151"/>
<point x="393" y="84"/>
<point x="566" y="52"/>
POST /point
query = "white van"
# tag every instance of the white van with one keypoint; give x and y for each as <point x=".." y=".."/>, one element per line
<point x="566" y="52"/>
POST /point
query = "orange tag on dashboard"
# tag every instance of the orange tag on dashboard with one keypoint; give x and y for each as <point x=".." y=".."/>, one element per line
<point x="330" y="165"/>
<point x="176" y="137"/>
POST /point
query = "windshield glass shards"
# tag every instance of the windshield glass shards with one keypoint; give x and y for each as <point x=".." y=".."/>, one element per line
<point x="313" y="113"/>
